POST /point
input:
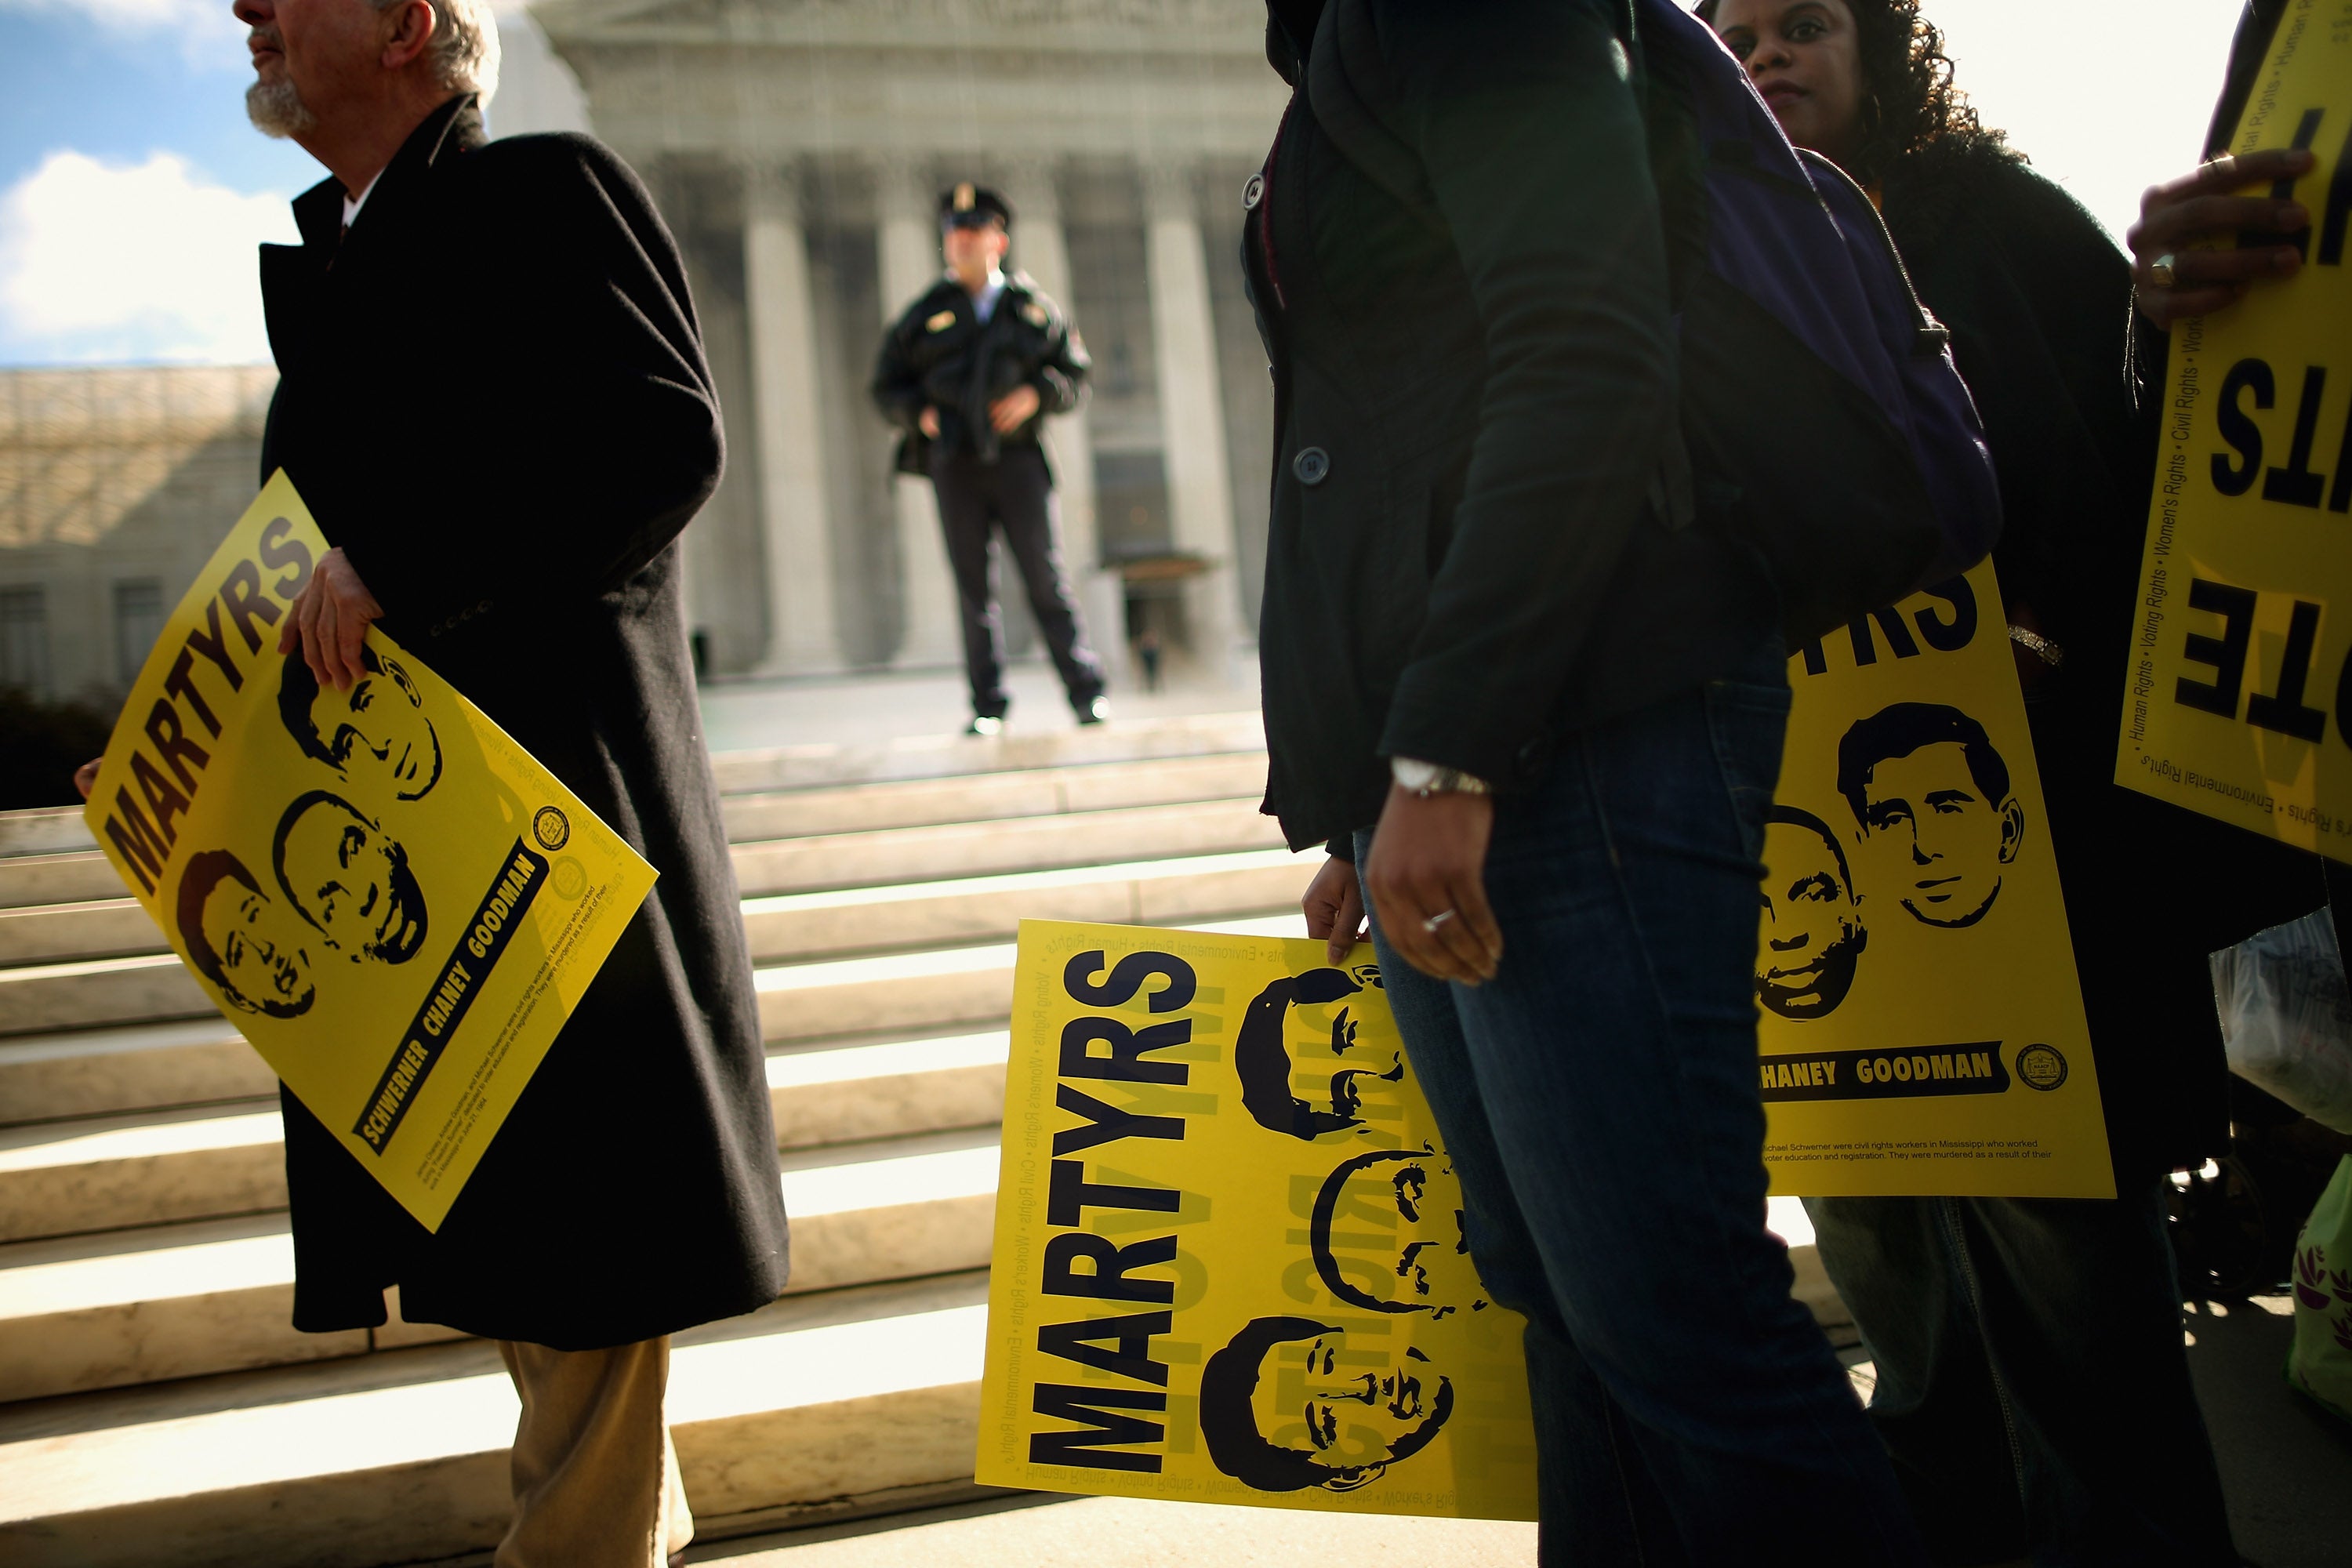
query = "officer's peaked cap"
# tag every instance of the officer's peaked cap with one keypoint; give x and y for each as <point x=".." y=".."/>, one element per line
<point x="967" y="206"/>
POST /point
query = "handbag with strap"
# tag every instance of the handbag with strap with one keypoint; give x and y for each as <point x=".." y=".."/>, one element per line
<point x="1821" y="417"/>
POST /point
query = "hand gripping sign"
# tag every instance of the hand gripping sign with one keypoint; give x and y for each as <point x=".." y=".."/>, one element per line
<point x="1921" y="1025"/>
<point x="391" y="902"/>
<point x="2239" y="697"/>
<point x="1229" y="1264"/>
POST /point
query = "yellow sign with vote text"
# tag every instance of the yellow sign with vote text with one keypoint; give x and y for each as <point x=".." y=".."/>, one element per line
<point x="1229" y="1264"/>
<point x="1921" y="1027"/>
<point x="391" y="902"/>
<point x="2238" y="703"/>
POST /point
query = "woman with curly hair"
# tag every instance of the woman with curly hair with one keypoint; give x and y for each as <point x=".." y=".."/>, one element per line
<point x="2031" y="1382"/>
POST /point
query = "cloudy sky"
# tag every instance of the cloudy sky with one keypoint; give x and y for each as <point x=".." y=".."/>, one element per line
<point x="132" y="192"/>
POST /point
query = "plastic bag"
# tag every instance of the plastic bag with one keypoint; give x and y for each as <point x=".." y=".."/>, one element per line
<point x="2286" y="1016"/>
<point x="2320" y="1364"/>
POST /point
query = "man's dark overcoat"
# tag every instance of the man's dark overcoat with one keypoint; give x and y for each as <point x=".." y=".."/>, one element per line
<point x="493" y="398"/>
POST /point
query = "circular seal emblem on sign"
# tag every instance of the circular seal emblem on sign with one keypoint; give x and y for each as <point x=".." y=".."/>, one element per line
<point x="2041" y="1066"/>
<point x="552" y="829"/>
<point x="570" y="879"/>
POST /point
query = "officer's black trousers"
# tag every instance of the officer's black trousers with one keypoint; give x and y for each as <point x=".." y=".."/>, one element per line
<point x="1014" y="494"/>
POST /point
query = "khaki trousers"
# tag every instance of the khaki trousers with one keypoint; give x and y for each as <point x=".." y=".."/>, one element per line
<point x="596" y="1476"/>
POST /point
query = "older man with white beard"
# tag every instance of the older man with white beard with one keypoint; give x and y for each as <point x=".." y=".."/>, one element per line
<point x="493" y="397"/>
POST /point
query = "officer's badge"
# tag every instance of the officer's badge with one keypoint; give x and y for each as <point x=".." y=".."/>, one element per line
<point x="1034" y="314"/>
<point x="964" y="197"/>
<point x="940" y="322"/>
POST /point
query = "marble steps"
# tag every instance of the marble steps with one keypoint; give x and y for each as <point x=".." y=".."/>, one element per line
<point x="157" y="1167"/>
<point x="1202" y="859"/>
<point x="400" y="1457"/>
<point x="899" y="866"/>
<point x="39" y="884"/>
<point x="93" y="928"/>
<point x="199" y="1297"/>
<point x="1015" y="751"/>
<point x="135" y="1067"/>
<point x="88" y="1050"/>
<point x="790" y="925"/>
<point x="982" y="849"/>
<point x="1039" y="792"/>
<point x="61" y="855"/>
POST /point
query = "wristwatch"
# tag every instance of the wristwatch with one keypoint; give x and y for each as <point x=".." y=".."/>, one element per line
<point x="1426" y="779"/>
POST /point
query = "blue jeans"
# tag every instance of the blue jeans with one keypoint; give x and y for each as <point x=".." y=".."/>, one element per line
<point x="2032" y="1384"/>
<point x="1599" y="1101"/>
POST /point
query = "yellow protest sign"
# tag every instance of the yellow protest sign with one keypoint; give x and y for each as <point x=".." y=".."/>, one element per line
<point x="391" y="901"/>
<point x="2240" y="696"/>
<point x="1921" y="1026"/>
<point x="1229" y="1264"/>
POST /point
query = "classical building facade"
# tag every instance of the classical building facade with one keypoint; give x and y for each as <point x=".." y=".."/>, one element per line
<point x="797" y="147"/>
<point x="115" y="485"/>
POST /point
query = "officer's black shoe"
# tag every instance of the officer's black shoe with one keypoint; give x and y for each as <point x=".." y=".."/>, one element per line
<point x="1094" y="710"/>
<point x="984" y="724"/>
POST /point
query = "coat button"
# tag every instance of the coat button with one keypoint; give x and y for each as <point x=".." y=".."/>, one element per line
<point x="1312" y="466"/>
<point x="1253" y="192"/>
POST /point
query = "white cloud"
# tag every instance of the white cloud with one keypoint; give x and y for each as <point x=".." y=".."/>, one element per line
<point x="148" y="263"/>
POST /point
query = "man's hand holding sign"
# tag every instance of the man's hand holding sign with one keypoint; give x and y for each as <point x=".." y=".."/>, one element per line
<point x="329" y="626"/>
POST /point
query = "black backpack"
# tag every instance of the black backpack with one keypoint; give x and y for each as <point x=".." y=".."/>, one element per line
<point x="1821" y="418"/>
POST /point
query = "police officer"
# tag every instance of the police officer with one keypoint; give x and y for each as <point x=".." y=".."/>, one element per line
<point x="969" y="372"/>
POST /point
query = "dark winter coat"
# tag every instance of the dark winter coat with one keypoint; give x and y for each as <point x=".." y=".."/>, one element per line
<point x="493" y="398"/>
<point x="1463" y="563"/>
<point x="940" y="354"/>
<point x="2038" y="300"/>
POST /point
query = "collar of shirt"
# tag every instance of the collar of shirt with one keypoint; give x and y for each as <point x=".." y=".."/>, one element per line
<point x="352" y="204"/>
<point x="983" y="304"/>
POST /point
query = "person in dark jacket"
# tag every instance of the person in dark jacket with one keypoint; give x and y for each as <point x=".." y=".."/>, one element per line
<point x="493" y="398"/>
<point x="2030" y="1379"/>
<point x="969" y="373"/>
<point x="1549" y="725"/>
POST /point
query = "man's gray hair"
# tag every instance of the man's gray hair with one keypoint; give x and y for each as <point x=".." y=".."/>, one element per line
<point x="465" y="45"/>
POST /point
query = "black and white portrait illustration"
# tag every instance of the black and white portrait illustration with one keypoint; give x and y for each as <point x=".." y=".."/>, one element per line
<point x="1813" y="933"/>
<point x="1263" y="1058"/>
<point x="350" y="880"/>
<point x="253" y="950"/>
<point x="377" y="735"/>
<point x="1387" y="1236"/>
<point x="1924" y="779"/>
<point x="1353" y="1408"/>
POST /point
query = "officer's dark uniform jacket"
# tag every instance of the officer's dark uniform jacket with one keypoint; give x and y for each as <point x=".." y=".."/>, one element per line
<point x="1463" y="564"/>
<point x="941" y="355"/>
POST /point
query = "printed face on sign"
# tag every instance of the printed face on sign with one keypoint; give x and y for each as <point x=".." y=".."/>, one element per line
<point x="1387" y="1236"/>
<point x="1337" y="1418"/>
<point x="1925" y="783"/>
<point x="376" y="733"/>
<point x="350" y="880"/>
<point x="1360" y="1072"/>
<point x="1813" y="934"/>
<point x="251" y="948"/>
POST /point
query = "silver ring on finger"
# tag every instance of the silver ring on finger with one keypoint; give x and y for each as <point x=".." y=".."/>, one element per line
<point x="2160" y="269"/>
<point x="1430" y="925"/>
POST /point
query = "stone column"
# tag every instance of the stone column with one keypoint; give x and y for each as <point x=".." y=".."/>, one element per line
<point x="784" y="392"/>
<point x="1040" y="249"/>
<point x="930" y="634"/>
<point x="1191" y="416"/>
